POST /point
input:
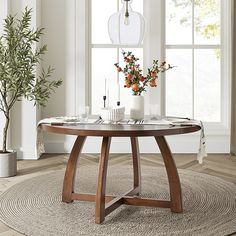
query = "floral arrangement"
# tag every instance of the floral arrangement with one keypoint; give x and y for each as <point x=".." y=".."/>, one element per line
<point x="134" y="77"/>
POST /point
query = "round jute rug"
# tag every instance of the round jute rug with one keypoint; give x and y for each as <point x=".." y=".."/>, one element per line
<point x="34" y="207"/>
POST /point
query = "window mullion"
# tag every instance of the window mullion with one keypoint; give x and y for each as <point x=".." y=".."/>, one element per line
<point x="114" y="51"/>
<point x="118" y="56"/>
<point x="189" y="46"/>
<point x="193" y="62"/>
<point x="193" y="85"/>
<point x="163" y="85"/>
<point x="89" y="80"/>
<point x="106" y="45"/>
<point x="118" y="59"/>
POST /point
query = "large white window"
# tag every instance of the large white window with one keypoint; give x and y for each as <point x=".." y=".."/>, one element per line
<point x="103" y="55"/>
<point x="195" y="39"/>
<point x="194" y="45"/>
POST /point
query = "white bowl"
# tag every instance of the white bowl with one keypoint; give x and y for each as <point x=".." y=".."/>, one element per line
<point x="113" y="113"/>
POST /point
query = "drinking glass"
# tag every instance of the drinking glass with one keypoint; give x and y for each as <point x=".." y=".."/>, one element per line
<point x="83" y="112"/>
<point x="154" y="112"/>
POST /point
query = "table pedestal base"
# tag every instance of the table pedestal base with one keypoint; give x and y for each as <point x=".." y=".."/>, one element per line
<point x="106" y="204"/>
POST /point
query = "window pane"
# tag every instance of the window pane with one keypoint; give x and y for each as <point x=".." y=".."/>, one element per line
<point x="137" y="5"/>
<point x="103" y="66"/>
<point x="178" y="22"/>
<point x="207" y="21"/>
<point x="127" y="92"/>
<point x="100" y="19"/>
<point x="207" y="85"/>
<point x="179" y="83"/>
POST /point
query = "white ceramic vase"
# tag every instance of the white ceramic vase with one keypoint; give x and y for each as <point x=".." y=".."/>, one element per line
<point x="137" y="107"/>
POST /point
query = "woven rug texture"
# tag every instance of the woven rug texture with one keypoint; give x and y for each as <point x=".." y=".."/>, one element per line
<point x="34" y="207"/>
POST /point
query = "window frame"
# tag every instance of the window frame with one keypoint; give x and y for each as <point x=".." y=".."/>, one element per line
<point x="153" y="48"/>
<point x="92" y="45"/>
<point x="224" y="46"/>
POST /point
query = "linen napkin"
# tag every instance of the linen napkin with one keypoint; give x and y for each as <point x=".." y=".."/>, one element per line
<point x="40" y="148"/>
<point x="67" y="120"/>
<point x="202" y="145"/>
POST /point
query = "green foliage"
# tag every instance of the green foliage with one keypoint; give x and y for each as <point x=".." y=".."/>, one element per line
<point x="205" y="9"/>
<point x="20" y="58"/>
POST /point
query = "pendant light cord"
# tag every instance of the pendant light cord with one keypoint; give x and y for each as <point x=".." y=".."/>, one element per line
<point x="127" y="8"/>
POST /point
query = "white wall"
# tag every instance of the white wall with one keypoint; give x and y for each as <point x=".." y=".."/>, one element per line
<point x="60" y="39"/>
<point x="53" y="20"/>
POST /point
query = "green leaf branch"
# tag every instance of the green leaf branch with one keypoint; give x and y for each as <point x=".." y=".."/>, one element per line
<point x="20" y="58"/>
<point x="134" y="77"/>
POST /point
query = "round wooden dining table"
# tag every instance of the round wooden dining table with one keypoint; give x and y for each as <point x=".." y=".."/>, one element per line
<point x="105" y="204"/>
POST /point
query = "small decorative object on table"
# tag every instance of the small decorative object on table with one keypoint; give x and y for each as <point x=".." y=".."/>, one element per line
<point x="154" y="111"/>
<point x="113" y="113"/>
<point x="83" y="113"/>
<point x="135" y="80"/>
<point x="137" y="107"/>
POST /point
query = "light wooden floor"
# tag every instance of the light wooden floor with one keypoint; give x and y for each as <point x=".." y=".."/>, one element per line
<point x="223" y="166"/>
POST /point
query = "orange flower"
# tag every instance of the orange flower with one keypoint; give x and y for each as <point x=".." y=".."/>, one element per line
<point x="135" y="77"/>
<point x="163" y="63"/>
<point x="135" y="87"/>
<point x="142" y="78"/>
<point x="127" y="59"/>
<point x="153" y="83"/>
<point x="119" y="69"/>
<point x="127" y="83"/>
<point x="153" y="74"/>
<point x="129" y="76"/>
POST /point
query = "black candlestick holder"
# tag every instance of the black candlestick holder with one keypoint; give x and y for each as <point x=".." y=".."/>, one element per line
<point x="104" y="101"/>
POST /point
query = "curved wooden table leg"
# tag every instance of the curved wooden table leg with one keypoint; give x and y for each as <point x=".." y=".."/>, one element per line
<point x="101" y="184"/>
<point x="68" y="185"/>
<point x="173" y="176"/>
<point x="136" y="163"/>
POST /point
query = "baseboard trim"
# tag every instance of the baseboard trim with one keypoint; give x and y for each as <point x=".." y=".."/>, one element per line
<point x="26" y="153"/>
<point x="185" y="144"/>
<point x="181" y="144"/>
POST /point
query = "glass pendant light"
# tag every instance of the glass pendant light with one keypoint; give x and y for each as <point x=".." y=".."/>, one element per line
<point x="126" y="27"/>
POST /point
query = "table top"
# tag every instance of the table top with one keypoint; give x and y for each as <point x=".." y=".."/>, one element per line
<point x="118" y="130"/>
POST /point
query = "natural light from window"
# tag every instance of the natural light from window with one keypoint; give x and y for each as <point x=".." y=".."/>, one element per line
<point x="104" y="55"/>
<point x="193" y="88"/>
<point x="193" y="44"/>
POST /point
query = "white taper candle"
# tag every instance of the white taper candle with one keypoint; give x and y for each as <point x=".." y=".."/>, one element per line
<point x="108" y="98"/>
<point x="118" y="97"/>
<point x="105" y="86"/>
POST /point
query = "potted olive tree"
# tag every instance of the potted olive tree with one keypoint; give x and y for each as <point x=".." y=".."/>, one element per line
<point x="20" y="56"/>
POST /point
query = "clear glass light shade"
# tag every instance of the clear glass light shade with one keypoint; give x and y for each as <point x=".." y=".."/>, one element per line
<point x="126" y="30"/>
